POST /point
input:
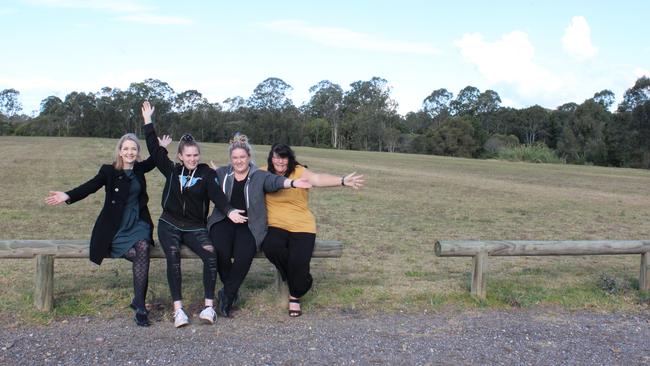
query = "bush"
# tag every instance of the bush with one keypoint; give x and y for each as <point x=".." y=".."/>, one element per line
<point x="497" y="142"/>
<point x="537" y="153"/>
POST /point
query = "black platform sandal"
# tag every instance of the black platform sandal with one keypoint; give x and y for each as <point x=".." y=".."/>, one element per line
<point x="294" y="313"/>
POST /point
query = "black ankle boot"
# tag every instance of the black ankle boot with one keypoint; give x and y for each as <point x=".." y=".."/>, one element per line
<point x="142" y="318"/>
<point x="225" y="304"/>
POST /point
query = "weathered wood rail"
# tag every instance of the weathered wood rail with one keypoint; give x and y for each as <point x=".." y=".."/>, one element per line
<point x="45" y="251"/>
<point x="480" y="250"/>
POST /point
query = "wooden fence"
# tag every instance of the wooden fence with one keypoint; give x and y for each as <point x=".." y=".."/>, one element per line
<point x="45" y="251"/>
<point x="480" y="250"/>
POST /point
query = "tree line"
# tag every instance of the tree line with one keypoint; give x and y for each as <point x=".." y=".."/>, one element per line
<point x="364" y="117"/>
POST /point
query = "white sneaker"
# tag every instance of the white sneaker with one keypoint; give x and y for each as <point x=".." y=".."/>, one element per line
<point x="208" y="315"/>
<point x="180" y="318"/>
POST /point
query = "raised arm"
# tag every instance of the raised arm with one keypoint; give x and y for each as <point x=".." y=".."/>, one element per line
<point x="157" y="152"/>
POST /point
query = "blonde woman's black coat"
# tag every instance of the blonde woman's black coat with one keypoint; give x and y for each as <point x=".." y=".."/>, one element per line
<point x="116" y="185"/>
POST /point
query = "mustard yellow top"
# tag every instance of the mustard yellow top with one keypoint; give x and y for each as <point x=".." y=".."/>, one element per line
<point x="288" y="209"/>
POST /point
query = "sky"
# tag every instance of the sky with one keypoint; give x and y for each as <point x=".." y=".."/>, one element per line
<point x="530" y="52"/>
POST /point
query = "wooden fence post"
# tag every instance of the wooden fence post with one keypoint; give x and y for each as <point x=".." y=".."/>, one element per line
<point x="44" y="285"/>
<point x="478" y="275"/>
<point x="644" y="276"/>
<point x="283" y="290"/>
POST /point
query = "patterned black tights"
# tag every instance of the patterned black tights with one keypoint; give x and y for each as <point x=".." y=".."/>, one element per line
<point x="139" y="256"/>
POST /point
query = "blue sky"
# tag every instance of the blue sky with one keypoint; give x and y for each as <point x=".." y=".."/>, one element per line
<point x="530" y="52"/>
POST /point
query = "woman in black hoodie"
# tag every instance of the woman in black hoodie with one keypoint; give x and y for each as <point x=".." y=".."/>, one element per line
<point x="189" y="188"/>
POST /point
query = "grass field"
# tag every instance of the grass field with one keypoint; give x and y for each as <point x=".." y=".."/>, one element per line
<point x="388" y="229"/>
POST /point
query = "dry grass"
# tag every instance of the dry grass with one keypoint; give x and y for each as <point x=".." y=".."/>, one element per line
<point x="388" y="228"/>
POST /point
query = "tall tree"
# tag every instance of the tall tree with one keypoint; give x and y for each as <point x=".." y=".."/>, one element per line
<point x="487" y="106"/>
<point x="368" y="109"/>
<point x="636" y="95"/>
<point x="605" y="97"/>
<point x="326" y="102"/>
<point x="436" y="105"/>
<point x="9" y="103"/>
<point x="234" y="104"/>
<point x="466" y="101"/>
<point x="189" y="100"/>
<point x="533" y="122"/>
<point x="583" y="138"/>
<point x="271" y="94"/>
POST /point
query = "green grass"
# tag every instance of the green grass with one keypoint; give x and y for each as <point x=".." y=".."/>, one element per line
<point x="388" y="229"/>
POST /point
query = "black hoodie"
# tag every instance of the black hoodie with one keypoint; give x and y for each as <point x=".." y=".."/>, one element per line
<point x="188" y="208"/>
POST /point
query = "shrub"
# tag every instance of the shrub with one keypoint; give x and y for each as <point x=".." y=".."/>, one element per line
<point x="536" y="153"/>
<point x="497" y="142"/>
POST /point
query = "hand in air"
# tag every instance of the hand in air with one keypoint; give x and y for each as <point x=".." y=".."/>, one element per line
<point x="353" y="180"/>
<point x="147" y="111"/>
<point x="56" y="197"/>
<point x="164" y="141"/>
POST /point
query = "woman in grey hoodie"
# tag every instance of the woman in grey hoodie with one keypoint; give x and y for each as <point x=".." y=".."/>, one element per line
<point x="244" y="185"/>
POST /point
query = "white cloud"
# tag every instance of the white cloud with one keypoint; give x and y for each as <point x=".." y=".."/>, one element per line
<point x="577" y="39"/>
<point x="639" y="72"/>
<point x="345" y="38"/>
<point x="509" y="60"/>
<point x="131" y="10"/>
<point x="120" y="6"/>
<point x="154" y="19"/>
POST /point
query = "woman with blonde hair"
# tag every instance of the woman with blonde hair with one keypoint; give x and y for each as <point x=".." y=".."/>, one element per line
<point x="244" y="185"/>
<point x="123" y="228"/>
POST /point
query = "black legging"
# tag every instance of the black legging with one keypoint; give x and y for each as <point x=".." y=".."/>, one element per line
<point x="237" y="242"/>
<point x="139" y="256"/>
<point x="198" y="241"/>
<point x="291" y="253"/>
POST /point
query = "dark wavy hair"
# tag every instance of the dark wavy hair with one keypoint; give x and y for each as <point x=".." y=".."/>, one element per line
<point x="283" y="151"/>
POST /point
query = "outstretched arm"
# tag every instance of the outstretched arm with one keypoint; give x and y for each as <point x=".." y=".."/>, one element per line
<point x="353" y="180"/>
<point x="81" y="192"/>
<point x="56" y="198"/>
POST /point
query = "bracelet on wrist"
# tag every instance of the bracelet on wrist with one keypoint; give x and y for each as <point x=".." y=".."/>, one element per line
<point x="343" y="181"/>
<point x="292" y="186"/>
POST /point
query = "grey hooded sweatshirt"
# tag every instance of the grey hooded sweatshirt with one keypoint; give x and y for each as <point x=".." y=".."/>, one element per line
<point x="258" y="183"/>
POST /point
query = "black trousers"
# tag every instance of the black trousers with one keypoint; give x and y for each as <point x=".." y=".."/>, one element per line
<point x="291" y="254"/>
<point x="236" y="248"/>
<point x="198" y="241"/>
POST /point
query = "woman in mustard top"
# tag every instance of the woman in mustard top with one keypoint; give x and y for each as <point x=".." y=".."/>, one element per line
<point x="291" y="235"/>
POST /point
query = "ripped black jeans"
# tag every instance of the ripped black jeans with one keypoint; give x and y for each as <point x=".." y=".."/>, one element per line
<point x="198" y="241"/>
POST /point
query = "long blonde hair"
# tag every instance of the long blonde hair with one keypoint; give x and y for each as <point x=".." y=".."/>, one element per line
<point x="117" y="159"/>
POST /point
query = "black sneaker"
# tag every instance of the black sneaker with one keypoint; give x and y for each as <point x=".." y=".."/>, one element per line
<point x="142" y="318"/>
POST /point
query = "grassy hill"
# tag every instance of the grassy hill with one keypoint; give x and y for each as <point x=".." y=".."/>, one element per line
<point x="388" y="228"/>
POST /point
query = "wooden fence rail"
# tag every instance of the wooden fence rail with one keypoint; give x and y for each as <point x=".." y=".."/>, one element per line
<point x="46" y="250"/>
<point x="480" y="250"/>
